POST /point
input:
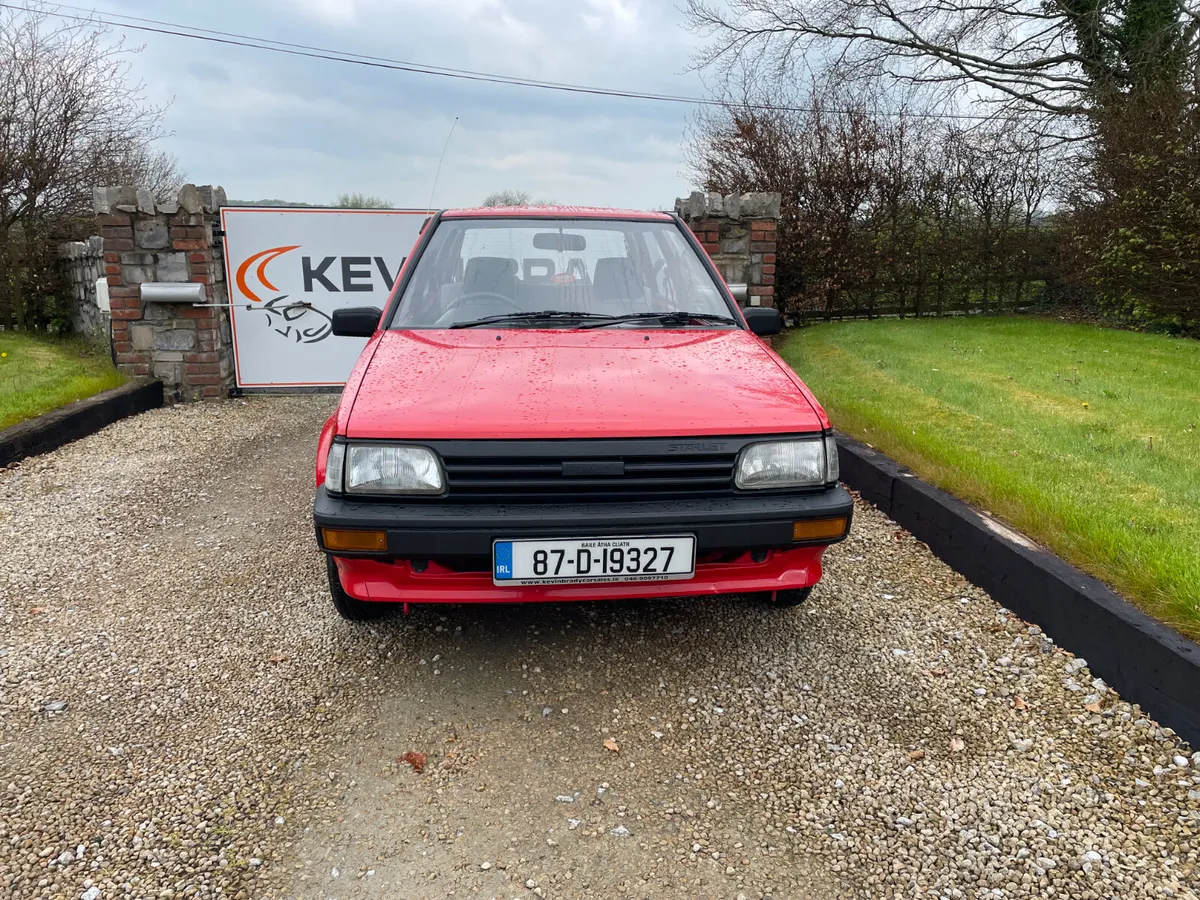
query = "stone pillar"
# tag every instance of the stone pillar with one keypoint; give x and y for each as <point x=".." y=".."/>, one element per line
<point x="82" y="266"/>
<point x="738" y="231"/>
<point x="189" y="347"/>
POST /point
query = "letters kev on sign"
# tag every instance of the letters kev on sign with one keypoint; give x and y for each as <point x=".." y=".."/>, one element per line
<point x="288" y="269"/>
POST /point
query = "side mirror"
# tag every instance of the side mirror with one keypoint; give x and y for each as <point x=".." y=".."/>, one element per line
<point x="356" y="321"/>
<point x="763" y="320"/>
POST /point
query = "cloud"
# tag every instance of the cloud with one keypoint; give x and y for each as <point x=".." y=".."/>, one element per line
<point x="607" y="13"/>
<point x="332" y="12"/>
<point x="202" y="72"/>
<point x="265" y="124"/>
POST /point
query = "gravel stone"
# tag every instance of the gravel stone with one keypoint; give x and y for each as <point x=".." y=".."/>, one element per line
<point x="257" y="736"/>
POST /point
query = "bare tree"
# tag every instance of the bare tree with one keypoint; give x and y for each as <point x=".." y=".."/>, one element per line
<point x="157" y="171"/>
<point x="1116" y="83"/>
<point x="1051" y="57"/>
<point x="70" y="119"/>
<point x="508" y="198"/>
<point x="879" y="208"/>
<point x="362" y="201"/>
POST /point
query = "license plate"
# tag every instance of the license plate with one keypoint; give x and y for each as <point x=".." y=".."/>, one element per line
<point x="606" y="559"/>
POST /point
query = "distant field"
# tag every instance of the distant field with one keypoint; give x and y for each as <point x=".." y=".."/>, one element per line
<point x="39" y="373"/>
<point x="1087" y="439"/>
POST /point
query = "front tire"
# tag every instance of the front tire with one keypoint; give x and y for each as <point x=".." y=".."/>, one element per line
<point x="351" y="608"/>
<point x="784" y="599"/>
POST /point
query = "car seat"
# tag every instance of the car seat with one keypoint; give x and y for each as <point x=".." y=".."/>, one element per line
<point x="616" y="287"/>
<point x="492" y="275"/>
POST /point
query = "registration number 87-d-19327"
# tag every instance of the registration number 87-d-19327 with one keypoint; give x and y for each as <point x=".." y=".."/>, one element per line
<point x="612" y="559"/>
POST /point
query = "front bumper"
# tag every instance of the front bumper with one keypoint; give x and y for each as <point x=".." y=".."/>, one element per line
<point x="442" y="552"/>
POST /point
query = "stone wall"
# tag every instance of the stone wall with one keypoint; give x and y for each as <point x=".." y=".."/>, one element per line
<point x="738" y="231"/>
<point x="189" y="347"/>
<point x="82" y="266"/>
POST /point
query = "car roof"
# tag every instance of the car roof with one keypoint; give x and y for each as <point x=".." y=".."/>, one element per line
<point x="555" y="212"/>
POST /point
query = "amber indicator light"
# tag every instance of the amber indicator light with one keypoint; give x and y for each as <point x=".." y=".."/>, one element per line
<point x="819" y="529"/>
<point x="356" y="541"/>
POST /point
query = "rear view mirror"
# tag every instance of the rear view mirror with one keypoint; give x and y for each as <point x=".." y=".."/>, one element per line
<point x="553" y="240"/>
<point x="356" y="321"/>
<point x="763" y="320"/>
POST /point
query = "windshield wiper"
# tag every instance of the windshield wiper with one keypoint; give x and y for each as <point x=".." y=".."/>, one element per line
<point x="681" y="318"/>
<point x="544" y="314"/>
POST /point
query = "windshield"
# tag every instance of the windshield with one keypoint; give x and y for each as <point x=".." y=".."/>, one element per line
<point x="581" y="271"/>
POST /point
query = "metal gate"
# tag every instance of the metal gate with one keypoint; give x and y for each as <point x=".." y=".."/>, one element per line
<point x="288" y="269"/>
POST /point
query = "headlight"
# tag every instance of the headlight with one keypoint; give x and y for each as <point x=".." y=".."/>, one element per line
<point x="833" y="471"/>
<point x="333" y="467"/>
<point x="388" y="469"/>
<point x="781" y="464"/>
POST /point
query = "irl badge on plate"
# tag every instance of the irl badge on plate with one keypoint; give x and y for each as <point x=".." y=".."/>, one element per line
<point x="503" y="560"/>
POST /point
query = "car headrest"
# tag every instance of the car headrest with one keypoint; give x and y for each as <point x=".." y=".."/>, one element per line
<point x="494" y="274"/>
<point x="616" y="278"/>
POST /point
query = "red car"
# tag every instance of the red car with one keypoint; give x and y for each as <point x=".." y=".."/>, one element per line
<point x="568" y="404"/>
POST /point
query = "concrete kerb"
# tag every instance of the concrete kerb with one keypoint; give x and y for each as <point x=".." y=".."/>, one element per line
<point x="69" y="423"/>
<point x="1148" y="662"/>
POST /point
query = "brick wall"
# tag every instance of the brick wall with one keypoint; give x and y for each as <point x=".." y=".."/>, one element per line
<point x="738" y="231"/>
<point x="189" y="347"/>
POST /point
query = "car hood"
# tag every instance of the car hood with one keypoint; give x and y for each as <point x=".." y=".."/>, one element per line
<point x="525" y="383"/>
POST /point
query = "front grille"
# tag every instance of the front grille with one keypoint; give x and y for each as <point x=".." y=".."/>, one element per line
<point x="590" y="470"/>
<point x="549" y="476"/>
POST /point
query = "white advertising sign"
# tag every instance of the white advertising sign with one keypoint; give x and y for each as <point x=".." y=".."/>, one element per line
<point x="288" y="269"/>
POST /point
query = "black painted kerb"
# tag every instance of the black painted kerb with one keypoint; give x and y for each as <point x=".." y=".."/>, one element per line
<point x="1145" y="660"/>
<point x="69" y="423"/>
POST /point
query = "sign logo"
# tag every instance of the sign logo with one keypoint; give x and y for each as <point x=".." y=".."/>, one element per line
<point x="266" y="256"/>
<point x="282" y="318"/>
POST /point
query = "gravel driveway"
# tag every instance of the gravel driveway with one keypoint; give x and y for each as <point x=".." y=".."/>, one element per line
<point x="183" y="715"/>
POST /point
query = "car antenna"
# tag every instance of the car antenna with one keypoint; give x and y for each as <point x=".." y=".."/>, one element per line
<point x="437" y="174"/>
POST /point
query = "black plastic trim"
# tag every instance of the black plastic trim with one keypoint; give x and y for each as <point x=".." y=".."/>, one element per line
<point x="52" y="430"/>
<point x="725" y="523"/>
<point x="1148" y="662"/>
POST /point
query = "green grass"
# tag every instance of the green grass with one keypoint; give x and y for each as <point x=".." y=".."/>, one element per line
<point x="1087" y="439"/>
<point x="39" y="373"/>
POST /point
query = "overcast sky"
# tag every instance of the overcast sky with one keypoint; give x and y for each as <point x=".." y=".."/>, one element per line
<point x="266" y="125"/>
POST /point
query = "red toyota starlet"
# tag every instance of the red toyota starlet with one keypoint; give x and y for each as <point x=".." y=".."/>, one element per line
<point x="568" y="404"/>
